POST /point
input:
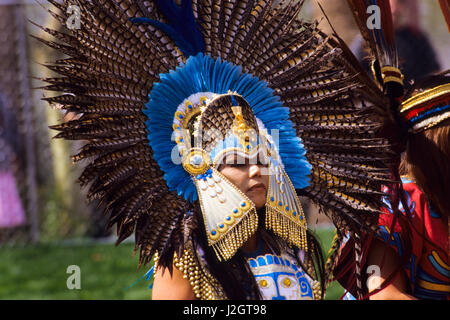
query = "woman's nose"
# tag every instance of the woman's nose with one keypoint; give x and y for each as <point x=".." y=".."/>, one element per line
<point x="254" y="170"/>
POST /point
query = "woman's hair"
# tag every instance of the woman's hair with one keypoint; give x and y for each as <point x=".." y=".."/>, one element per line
<point x="427" y="156"/>
<point x="427" y="161"/>
<point x="235" y="274"/>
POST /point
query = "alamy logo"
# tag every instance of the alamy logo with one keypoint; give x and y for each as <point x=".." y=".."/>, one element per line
<point x="74" y="20"/>
<point x="74" y="280"/>
<point x="374" y="279"/>
<point x="374" y="20"/>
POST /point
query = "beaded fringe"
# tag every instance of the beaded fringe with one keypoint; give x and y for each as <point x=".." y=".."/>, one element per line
<point x="285" y="228"/>
<point x="205" y="287"/>
<point x="231" y="241"/>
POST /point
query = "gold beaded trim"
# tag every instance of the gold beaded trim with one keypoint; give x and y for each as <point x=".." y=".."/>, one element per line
<point x="204" y="285"/>
<point x="283" y="223"/>
<point x="317" y="291"/>
<point x="234" y="236"/>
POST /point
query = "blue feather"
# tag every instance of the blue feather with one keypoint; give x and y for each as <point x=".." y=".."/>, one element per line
<point x="181" y="28"/>
<point x="148" y="275"/>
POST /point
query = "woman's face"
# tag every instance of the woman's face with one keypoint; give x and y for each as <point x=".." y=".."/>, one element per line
<point x="251" y="178"/>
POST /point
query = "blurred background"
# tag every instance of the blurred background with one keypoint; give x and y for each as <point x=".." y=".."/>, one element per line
<point x="46" y="224"/>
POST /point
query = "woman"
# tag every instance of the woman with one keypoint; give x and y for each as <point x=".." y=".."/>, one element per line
<point x="412" y="249"/>
<point x="241" y="277"/>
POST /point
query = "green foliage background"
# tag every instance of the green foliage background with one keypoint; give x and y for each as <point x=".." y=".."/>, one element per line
<point x="107" y="272"/>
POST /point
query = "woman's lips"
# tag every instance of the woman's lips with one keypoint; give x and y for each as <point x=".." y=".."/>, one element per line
<point x="257" y="187"/>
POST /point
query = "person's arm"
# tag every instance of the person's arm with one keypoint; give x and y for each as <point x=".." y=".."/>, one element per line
<point x="171" y="287"/>
<point x="396" y="290"/>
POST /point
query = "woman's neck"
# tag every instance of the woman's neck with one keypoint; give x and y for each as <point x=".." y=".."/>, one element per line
<point x="251" y="244"/>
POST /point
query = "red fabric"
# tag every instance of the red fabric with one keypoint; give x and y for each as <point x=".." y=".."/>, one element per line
<point x="428" y="265"/>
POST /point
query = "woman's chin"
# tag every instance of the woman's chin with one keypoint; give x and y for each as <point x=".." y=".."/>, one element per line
<point x="259" y="202"/>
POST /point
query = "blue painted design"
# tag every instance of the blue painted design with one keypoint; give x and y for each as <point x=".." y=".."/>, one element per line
<point x="305" y="287"/>
<point x="438" y="267"/>
<point x="423" y="293"/>
<point x="422" y="274"/>
<point x="429" y="113"/>
<point x="303" y="284"/>
<point x="261" y="261"/>
<point x="201" y="73"/>
<point x="411" y="204"/>
<point x="433" y="213"/>
<point x="395" y="240"/>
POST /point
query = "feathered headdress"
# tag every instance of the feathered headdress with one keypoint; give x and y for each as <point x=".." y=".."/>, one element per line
<point x="374" y="19"/>
<point x="143" y="75"/>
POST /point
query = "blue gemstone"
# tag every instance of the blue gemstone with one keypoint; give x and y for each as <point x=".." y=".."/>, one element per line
<point x="213" y="232"/>
<point x="221" y="225"/>
<point x="181" y="140"/>
<point x="272" y="199"/>
<point x="199" y="176"/>
<point x="209" y="171"/>
<point x="190" y="106"/>
<point x="181" y="116"/>
<point x="248" y="146"/>
<point x="235" y="210"/>
<point x="243" y="204"/>
<point x="280" y="203"/>
<point x="287" y="208"/>
<point x="295" y="213"/>
<point x="301" y="217"/>
<point x="228" y="218"/>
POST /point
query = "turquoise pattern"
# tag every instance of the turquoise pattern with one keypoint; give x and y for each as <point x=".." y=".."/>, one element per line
<point x="279" y="278"/>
